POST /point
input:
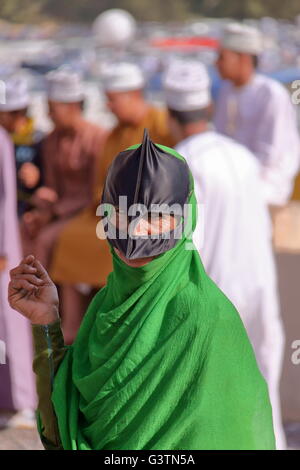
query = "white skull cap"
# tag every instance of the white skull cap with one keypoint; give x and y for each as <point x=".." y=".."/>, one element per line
<point x="187" y="85"/>
<point x="14" y="91"/>
<point x="123" y="76"/>
<point x="242" y="38"/>
<point x="64" y="85"/>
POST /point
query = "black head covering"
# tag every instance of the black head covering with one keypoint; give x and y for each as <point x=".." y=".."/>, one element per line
<point x="155" y="180"/>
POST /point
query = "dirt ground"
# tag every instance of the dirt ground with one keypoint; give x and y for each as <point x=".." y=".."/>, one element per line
<point x="19" y="439"/>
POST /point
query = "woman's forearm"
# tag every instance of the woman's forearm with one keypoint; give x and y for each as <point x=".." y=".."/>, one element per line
<point x="49" y="350"/>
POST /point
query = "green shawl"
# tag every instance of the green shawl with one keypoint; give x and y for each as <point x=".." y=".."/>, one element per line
<point x="162" y="361"/>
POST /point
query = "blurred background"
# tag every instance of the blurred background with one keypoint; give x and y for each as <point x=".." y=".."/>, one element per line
<point x="41" y="35"/>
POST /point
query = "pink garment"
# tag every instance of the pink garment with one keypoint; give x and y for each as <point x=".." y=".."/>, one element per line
<point x="69" y="161"/>
<point x="17" y="384"/>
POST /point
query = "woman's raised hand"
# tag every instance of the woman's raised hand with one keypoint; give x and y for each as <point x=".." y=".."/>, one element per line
<point x="32" y="293"/>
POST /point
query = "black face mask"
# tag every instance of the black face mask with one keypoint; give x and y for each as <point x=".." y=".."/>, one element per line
<point x="155" y="182"/>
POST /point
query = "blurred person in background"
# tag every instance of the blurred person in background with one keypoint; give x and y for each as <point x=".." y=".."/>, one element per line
<point x="236" y="241"/>
<point x="69" y="156"/>
<point x="81" y="260"/>
<point x="17" y="388"/>
<point x="26" y="138"/>
<point x="257" y="112"/>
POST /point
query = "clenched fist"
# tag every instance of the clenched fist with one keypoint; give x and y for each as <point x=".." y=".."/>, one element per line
<point x="32" y="293"/>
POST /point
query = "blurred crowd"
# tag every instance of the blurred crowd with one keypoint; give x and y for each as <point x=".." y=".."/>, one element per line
<point x="244" y="153"/>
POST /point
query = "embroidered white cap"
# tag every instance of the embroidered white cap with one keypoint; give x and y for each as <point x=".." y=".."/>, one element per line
<point x="242" y="38"/>
<point x="14" y="92"/>
<point x="64" y="85"/>
<point x="186" y="85"/>
<point x="123" y="76"/>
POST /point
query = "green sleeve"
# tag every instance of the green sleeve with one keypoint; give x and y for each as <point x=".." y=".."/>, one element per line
<point x="49" y="350"/>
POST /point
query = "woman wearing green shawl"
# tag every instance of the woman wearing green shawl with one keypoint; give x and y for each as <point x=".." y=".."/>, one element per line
<point x="162" y="360"/>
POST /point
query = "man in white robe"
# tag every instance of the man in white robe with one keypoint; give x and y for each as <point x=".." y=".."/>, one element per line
<point x="257" y="111"/>
<point x="233" y="232"/>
